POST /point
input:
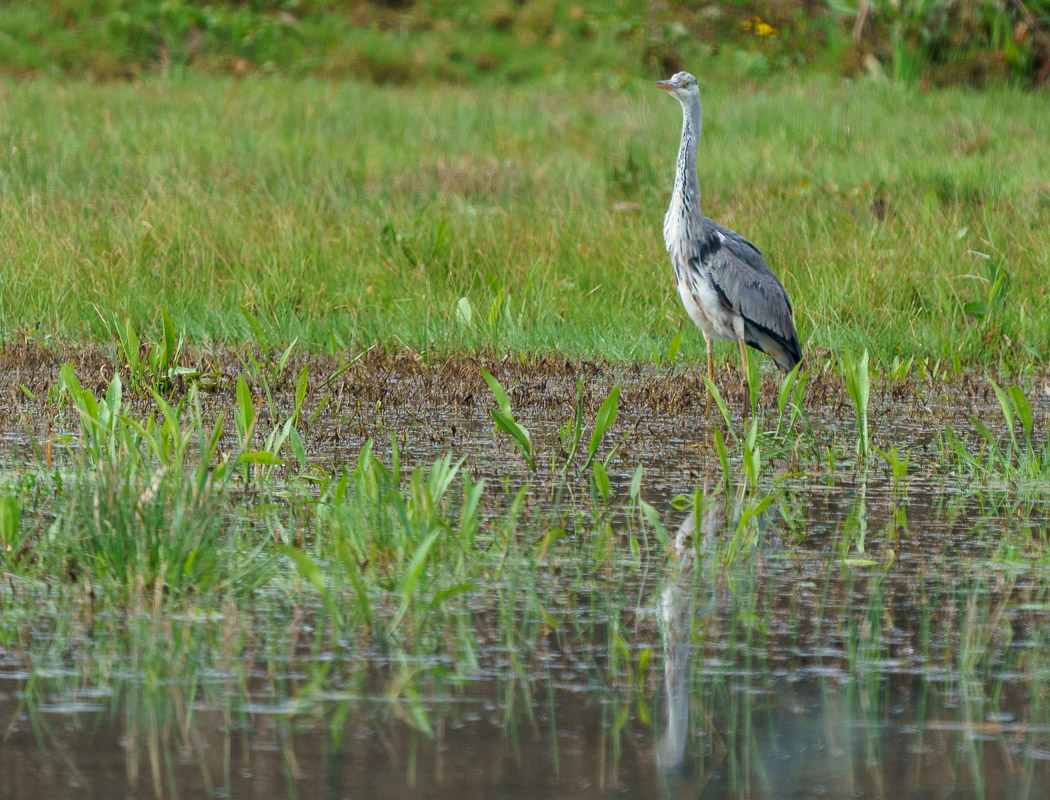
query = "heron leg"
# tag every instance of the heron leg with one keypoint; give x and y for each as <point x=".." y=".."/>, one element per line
<point x="743" y="371"/>
<point x="710" y="375"/>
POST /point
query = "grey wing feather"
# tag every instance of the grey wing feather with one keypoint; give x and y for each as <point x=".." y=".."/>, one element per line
<point x="749" y="286"/>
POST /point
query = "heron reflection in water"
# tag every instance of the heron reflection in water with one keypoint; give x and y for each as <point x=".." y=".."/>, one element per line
<point x="677" y="608"/>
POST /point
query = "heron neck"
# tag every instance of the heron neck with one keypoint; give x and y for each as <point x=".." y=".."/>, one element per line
<point x="686" y="186"/>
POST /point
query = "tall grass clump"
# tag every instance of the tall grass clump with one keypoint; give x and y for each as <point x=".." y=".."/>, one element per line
<point x="1022" y="457"/>
<point x="394" y="555"/>
<point x="138" y="515"/>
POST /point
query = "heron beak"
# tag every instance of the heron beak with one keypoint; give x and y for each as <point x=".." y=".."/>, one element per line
<point x="665" y="85"/>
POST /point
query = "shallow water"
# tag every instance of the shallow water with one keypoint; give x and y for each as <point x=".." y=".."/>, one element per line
<point x="806" y="667"/>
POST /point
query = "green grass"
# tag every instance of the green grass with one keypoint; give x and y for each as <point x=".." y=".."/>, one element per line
<point x="345" y="214"/>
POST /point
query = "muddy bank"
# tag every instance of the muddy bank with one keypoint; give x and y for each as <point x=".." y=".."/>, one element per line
<point x="442" y="403"/>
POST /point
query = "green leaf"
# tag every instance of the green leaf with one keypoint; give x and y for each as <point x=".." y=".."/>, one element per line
<point x="306" y="567"/>
<point x="259" y="457"/>
<point x="464" y="311"/>
<point x="636" y="482"/>
<point x="169" y="340"/>
<point x="1023" y="409"/>
<point x="452" y="591"/>
<point x="602" y="422"/>
<point x="520" y="434"/>
<point x="256" y="329"/>
<point x="986" y="434"/>
<point x="501" y="396"/>
<point x="723" y="453"/>
<point x="676" y="343"/>
<point x="129" y="342"/>
<point x="298" y="447"/>
<point x="283" y="360"/>
<point x="785" y="389"/>
<point x="601" y="480"/>
<point x="976" y="309"/>
<point x="754" y="380"/>
<point x="720" y="403"/>
<point x="246" y="418"/>
<point x="858" y="388"/>
<point x="653" y="517"/>
<point x="1004" y="403"/>
<point x="114" y="395"/>
<point x="504" y="419"/>
<point x="301" y="384"/>
<point x="10" y="519"/>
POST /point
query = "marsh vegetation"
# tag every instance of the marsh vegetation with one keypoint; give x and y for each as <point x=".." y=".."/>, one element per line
<point x="208" y="575"/>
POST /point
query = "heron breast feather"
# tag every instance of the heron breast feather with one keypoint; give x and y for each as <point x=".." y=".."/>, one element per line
<point x="705" y="308"/>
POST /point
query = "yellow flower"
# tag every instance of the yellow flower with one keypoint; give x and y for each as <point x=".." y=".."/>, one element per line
<point x="760" y="27"/>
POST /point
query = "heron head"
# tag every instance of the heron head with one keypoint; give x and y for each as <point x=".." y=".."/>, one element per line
<point x="682" y="85"/>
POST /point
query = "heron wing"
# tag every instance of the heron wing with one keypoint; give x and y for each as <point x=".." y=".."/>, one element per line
<point x="748" y="286"/>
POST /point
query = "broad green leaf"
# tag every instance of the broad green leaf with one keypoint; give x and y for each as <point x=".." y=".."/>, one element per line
<point x="298" y="447"/>
<point x="259" y="457"/>
<point x="754" y="379"/>
<point x="520" y="434"/>
<point x="169" y="339"/>
<point x="602" y="422"/>
<point x="452" y="591"/>
<point x="986" y="434"/>
<point x="601" y="480"/>
<point x="283" y="360"/>
<point x="652" y="516"/>
<point x="723" y="453"/>
<point x="676" y="343"/>
<point x="301" y="384"/>
<point x="464" y="311"/>
<point x="246" y="408"/>
<point x="114" y="395"/>
<point x="721" y="404"/>
<point x="10" y="519"/>
<point x="976" y="309"/>
<point x="501" y="396"/>
<point x="1004" y="403"/>
<point x="1023" y="409"/>
<point x="306" y="567"/>
<point x="636" y="482"/>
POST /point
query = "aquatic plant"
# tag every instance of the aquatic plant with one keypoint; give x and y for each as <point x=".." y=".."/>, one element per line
<point x="504" y="419"/>
<point x="137" y="516"/>
<point x="1021" y="457"/>
<point x="159" y="367"/>
<point x="855" y="374"/>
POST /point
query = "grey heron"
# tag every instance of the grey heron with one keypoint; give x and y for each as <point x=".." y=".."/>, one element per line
<point x="725" y="284"/>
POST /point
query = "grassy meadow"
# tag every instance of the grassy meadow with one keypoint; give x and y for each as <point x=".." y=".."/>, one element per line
<point x="519" y="218"/>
